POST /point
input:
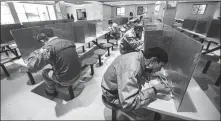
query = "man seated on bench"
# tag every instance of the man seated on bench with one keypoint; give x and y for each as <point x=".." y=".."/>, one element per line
<point x="61" y="55"/>
<point x="122" y="82"/>
<point x="114" y="30"/>
<point x="131" y="40"/>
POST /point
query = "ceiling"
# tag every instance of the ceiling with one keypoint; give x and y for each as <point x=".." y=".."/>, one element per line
<point x="129" y="3"/>
<point x="107" y="2"/>
<point x="37" y="2"/>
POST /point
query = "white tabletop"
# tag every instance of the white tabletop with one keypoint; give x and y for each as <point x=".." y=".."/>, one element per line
<point x="205" y="110"/>
<point x="89" y="39"/>
<point x="192" y="32"/>
<point x="20" y="62"/>
<point x="217" y="40"/>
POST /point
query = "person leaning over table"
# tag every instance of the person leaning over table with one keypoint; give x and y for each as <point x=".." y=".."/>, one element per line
<point x="114" y="30"/>
<point x="131" y="40"/>
<point x="61" y="55"/>
<point x="122" y="82"/>
<point x="141" y="21"/>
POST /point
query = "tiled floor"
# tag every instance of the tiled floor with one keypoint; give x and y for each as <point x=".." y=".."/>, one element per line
<point x="19" y="102"/>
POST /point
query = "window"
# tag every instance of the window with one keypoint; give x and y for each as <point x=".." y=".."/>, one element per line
<point x="120" y="11"/>
<point x="140" y="10"/>
<point x="21" y="12"/>
<point x="199" y="8"/>
<point x="43" y="12"/>
<point x="6" y="16"/>
<point x="145" y="10"/>
<point x="51" y="12"/>
<point x="202" y="9"/>
<point x="34" y="12"/>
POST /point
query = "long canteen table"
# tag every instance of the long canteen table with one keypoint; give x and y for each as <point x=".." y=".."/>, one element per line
<point x="204" y="108"/>
<point x="91" y="39"/>
<point x="203" y="37"/>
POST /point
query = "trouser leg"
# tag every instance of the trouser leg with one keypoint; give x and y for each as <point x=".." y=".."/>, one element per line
<point x="50" y="84"/>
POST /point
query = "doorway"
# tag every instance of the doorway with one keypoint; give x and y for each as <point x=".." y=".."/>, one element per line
<point x="81" y="14"/>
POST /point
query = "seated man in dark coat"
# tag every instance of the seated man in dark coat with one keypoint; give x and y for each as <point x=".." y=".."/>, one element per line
<point x="61" y="55"/>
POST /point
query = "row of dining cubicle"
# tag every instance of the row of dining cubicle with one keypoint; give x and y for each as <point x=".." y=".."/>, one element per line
<point x="80" y="32"/>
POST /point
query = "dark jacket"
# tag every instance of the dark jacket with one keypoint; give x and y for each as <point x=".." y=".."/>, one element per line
<point x="121" y="84"/>
<point x="61" y="55"/>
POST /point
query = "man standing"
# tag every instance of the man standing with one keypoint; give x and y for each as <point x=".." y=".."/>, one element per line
<point x="61" y="55"/>
<point x="122" y="82"/>
<point x="130" y="41"/>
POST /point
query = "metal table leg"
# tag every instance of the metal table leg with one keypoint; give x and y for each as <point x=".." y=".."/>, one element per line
<point x="218" y="81"/>
<point x="214" y="49"/>
<point x="15" y="53"/>
<point x="209" y="43"/>
<point x="89" y="45"/>
<point x="83" y="48"/>
<point x="108" y="51"/>
<point x="71" y="93"/>
<point x="31" y="78"/>
<point x="5" y="70"/>
<point x="92" y="69"/>
<point x="99" y="57"/>
<point x="97" y="44"/>
<point x="207" y="66"/>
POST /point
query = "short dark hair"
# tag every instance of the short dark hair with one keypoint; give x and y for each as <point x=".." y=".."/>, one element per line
<point x="138" y="28"/>
<point x="110" y="21"/>
<point x="42" y="36"/>
<point x="157" y="52"/>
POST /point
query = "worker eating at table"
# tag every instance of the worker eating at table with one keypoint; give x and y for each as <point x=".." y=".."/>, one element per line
<point x="131" y="40"/>
<point x="61" y="55"/>
<point x="114" y="30"/>
<point x="122" y="82"/>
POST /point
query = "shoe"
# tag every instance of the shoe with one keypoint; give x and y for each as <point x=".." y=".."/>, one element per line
<point x="51" y="95"/>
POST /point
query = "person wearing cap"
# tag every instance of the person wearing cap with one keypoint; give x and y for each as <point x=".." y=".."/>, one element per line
<point x="61" y="55"/>
<point x="122" y="82"/>
<point x="131" y="40"/>
<point x="114" y="30"/>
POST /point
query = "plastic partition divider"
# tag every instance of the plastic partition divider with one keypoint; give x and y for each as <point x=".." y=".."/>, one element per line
<point x="183" y="53"/>
<point x="105" y="24"/>
<point x="201" y="26"/>
<point x="214" y="29"/>
<point x="92" y="30"/>
<point x="185" y="23"/>
<point x="191" y="24"/>
<point x="6" y="36"/>
<point x="84" y="24"/>
<point x="26" y="39"/>
<point x="67" y="30"/>
<point x="80" y="37"/>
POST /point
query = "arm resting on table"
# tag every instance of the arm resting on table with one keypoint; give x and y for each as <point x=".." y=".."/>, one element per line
<point x="130" y="95"/>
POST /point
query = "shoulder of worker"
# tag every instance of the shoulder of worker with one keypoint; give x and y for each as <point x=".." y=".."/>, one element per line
<point x="130" y="62"/>
<point x="129" y="33"/>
